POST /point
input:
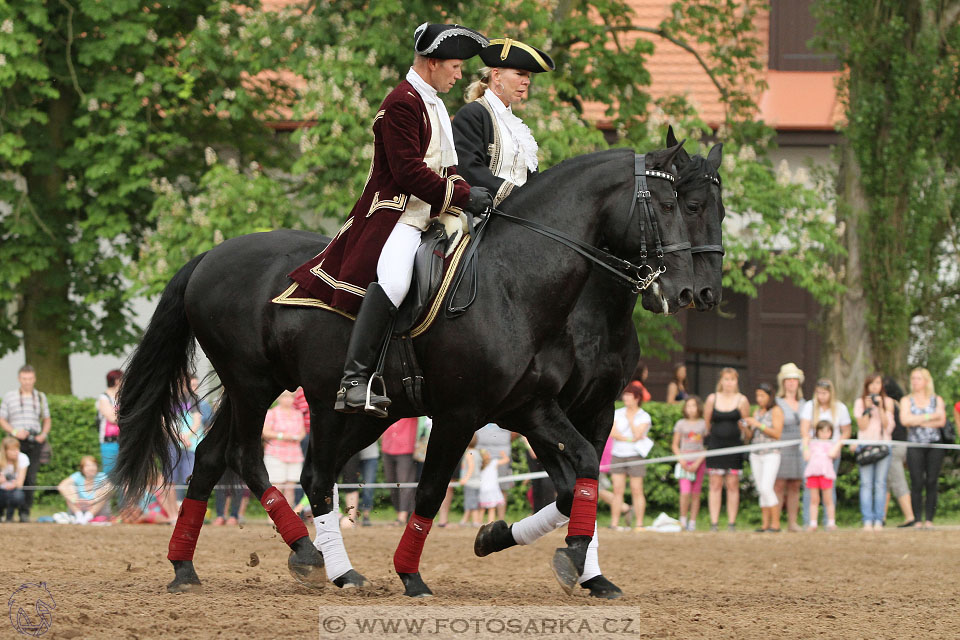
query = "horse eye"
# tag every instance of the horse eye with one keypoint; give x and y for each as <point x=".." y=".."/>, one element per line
<point x="694" y="207"/>
<point x="668" y="207"/>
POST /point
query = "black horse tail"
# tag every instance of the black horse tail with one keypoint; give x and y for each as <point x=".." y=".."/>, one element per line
<point x="154" y="392"/>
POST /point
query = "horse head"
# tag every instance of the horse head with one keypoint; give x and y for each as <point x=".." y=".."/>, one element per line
<point x="658" y="239"/>
<point x="700" y="196"/>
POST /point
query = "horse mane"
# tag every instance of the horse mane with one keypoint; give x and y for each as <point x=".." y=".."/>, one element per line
<point x="533" y="190"/>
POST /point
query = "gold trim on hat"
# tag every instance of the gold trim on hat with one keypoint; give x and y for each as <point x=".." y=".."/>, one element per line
<point x="509" y="42"/>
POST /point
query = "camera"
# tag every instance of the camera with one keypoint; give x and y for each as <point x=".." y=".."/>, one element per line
<point x="875" y="399"/>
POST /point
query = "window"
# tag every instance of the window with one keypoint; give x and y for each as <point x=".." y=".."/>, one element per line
<point x="791" y="29"/>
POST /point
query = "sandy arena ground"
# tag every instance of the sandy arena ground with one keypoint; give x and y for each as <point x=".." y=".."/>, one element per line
<point x="109" y="582"/>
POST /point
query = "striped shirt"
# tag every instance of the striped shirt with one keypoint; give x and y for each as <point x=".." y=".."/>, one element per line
<point x="25" y="412"/>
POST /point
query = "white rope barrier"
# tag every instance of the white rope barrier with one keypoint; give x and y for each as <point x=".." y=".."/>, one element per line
<point x="519" y="477"/>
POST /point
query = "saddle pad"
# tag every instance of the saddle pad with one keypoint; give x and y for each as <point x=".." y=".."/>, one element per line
<point x="298" y="296"/>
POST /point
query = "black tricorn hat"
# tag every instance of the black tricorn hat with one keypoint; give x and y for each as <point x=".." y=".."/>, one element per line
<point x="447" y="41"/>
<point x="512" y="54"/>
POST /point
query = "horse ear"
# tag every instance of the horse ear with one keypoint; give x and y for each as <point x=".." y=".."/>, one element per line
<point x="715" y="157"/>
<point x="683" y="157"/>
<point x="674" y="152"/>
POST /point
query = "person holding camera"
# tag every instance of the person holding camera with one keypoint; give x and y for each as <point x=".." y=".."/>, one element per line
<point x="25" y="415"/>
<point x="873" y="411"/>
<point x="766" y="425"/>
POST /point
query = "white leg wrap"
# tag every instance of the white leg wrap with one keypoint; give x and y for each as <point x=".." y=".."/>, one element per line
<point x="532" y="528"/>
<point x="329" y="542"/>
<point x="591" y="568"/>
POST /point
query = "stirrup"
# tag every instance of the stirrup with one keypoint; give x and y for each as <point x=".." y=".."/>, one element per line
<point x="379" y="410"/>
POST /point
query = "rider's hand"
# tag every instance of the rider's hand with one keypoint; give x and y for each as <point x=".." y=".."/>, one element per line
<point x="480" y="200"/>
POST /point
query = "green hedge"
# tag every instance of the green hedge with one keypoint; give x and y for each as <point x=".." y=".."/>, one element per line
<point x="74" y="434"/>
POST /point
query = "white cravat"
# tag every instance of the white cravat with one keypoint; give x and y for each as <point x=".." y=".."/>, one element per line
<point x="521" y="138"/>
<point x="448" y="152"/>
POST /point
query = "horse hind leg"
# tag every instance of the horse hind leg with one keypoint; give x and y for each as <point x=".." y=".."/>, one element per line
<point x="209" y="465"/>
<point x="304" y="563"/>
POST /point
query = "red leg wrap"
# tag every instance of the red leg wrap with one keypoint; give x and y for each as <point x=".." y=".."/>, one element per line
<point x="407" y="557"/>
<point x="583" y="513"/>
<point x="185" y="534"/>
<point x="288" y="523"/>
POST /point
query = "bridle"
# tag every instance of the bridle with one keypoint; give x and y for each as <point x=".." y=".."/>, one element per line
<point x="637" y="277"/>
<point x="709" y="248"/>
<point x="623" y="271"/>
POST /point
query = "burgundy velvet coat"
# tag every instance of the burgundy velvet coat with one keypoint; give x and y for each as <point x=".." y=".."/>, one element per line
<point x="339" y="275"/>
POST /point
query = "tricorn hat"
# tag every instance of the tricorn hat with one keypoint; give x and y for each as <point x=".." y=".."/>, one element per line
<point x="512" y="54"/>
<point x="447" y="41"/>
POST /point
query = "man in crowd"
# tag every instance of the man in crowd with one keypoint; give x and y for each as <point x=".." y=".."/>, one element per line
<point x="25" y="415"/>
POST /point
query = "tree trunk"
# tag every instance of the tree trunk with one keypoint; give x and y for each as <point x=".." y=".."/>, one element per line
<point x="45" y="311"/>
<point x="44" y="339"/>
<point x="847" y="357"/>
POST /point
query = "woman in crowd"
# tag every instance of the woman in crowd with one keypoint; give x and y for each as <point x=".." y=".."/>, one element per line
<point x="86" y="492"/>
<point x="722" y="412"/>
<point x="897" y="478"/>
<point x="688" y="436"/>
<point x="824" y="406"/>
<point x="923" y="413"/>
<point x="283" y="429"/>
<point x="107" y="420"/>
<point x="766" y="425"/>
<point x="13" y="474"/>
<point x="630" y="425"/>
<point x="677" y="389"/>
<point x="790" y="473"/>
<point x="640" y="377"/>
<point x="495" y="149"/>
<point x="874" y="413"/>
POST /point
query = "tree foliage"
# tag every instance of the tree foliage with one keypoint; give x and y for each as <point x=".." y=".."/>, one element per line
<point x="134" y="137"/>
<point x="902" y="98"/>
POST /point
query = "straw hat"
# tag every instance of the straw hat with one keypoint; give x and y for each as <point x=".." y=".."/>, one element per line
<point x="789" y="370"/>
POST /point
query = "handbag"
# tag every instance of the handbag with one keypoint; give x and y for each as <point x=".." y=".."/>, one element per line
<point x="948" y="434"/>
<point x="871" y="453"/>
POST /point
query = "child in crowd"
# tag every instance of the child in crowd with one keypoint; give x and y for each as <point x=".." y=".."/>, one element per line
<point x="820" y="454"/>
<point x="470" y="481"/>
<point x="688" y="435"/>
<point x="491" y="496"/>
<point x="13" y="466"/>
<point x="87" y="493"/>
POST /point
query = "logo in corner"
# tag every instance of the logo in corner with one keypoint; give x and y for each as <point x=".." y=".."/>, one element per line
<point x="31" y="609"/>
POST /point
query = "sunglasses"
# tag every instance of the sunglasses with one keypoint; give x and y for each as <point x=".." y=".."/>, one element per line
<point x="824" y="384"/>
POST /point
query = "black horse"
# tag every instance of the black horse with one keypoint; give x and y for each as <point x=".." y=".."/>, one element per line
<point x="498" y="358"/>
<point x="606" y="351"/>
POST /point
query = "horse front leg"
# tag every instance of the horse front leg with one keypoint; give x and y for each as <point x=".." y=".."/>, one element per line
<point x="559" y="445"/>
<point x="448" y="441"/>
<point x="331" y="445"/>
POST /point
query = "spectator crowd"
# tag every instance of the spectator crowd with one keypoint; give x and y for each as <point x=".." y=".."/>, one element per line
<point x="793" y="479"/>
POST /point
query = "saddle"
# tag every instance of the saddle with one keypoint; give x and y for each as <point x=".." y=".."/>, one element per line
<point x="445" y="258"/>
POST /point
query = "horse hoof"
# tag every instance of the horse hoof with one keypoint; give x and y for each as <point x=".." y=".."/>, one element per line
<point x="351" y="580"/>
<point x="310" y="573"/>
<point x="565" y="569"/>
<point x="493" y="537"/>
<point x="414" y="586"/>
<point x="180" y="586"/>
<point x="600" y="587"/>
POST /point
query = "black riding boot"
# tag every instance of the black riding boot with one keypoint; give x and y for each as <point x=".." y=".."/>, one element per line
<point x="374" y="321"/>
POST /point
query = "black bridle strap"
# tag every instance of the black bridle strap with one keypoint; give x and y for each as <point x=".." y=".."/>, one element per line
<point x="708" y="248"/>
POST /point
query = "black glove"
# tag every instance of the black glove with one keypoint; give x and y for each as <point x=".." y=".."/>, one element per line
<point x="480" y="200"/>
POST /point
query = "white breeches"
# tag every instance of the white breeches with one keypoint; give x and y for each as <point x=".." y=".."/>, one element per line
<point x="395" y="267"/>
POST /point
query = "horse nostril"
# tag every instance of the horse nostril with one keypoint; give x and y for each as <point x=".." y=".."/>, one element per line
<point x="686" y="298"/>
<point x="706" y="295"/>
